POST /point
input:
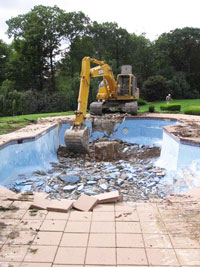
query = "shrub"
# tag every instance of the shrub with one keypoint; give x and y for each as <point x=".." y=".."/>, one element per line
<point x="151" y="108"/>
<point x="155" y="88"/>
<point x="192" y="110"/>
<point x="171" y="107"/>
<point x="141" y="102"/>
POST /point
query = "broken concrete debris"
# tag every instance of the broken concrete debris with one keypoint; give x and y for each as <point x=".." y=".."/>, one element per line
<point x="85" y="203"/>
<point x="41" y="201"/>
<point x="59" y="205"/>
<point x="108" y="197"/>
<point x="107" y="151"/>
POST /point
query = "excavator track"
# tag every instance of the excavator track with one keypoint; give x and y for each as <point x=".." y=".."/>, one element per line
<point x="131" y="107"/>
<point x="77" y="139"/>
<point x="96" y="108"/>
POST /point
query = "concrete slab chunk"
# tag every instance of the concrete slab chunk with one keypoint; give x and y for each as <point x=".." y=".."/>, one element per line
<point x="108" y="197"/>
<point x="40" y="202"/>
<point x="60" y="205"/>
<point x="85" y="203"/>
<point x="6" y="193"/>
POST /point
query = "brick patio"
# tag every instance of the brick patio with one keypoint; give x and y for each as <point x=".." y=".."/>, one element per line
<point x="120" y="234"/>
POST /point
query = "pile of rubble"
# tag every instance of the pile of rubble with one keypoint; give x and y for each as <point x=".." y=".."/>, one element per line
<point x="133" y="174"/>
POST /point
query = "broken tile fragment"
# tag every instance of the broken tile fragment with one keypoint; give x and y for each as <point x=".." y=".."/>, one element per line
<point x="40" y="202"/>
<point x="6" y="193"/>
<point x="85" y="203"/>
<point x="108" y="197"/>
<point x="60" y="205"/>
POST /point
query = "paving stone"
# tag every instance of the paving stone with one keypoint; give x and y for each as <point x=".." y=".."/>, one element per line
<point x="85" y="203"/>
<point x="35" y="264"/>
<point x="35" y="214"/>
<point x="188" y="256"/>
<point x="77" y="227"/>
<point x="126" y="216"/>
<point x="184" y="241"/>
<point x="57" y="215"/>
<point x="40" y="204"/>
<point x="108" y="197"/>
<point x="53" y="225"/>
<point x="70" y="255"/>
<point x="102" y="240"/>
<point x="128" y="227"/>
<point x="13" y="214"/>
<point x="13" y="253"/>
<point x="59" y="206"/>
<point x="124" y="207"/>
<point x="80" y="216"/>
<point x="48" y="238"/>
<point x="162" y="257"/>
<point x="157" y="241"/>
<point x="104" y="256"/>
<point x="74" y="240"/>
<point x="40" y="254"/>
<point x="55" y="265"/>
<point x="30" y="225"/>
<point x="17" y="237"/>
<point x="23" y="205"/>
<point x="7" y="194"/>
<point x="107" y="216"/>
<point x="131" y="256"/>
<point x="130" y="241"/>
<point x="104" y="207"/>
<point x="101" y="227"/>
<point x="9" y="264"/>
<point x="154" y="227"/>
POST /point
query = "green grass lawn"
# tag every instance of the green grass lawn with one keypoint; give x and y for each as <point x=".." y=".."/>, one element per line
<point x="12" y="123"/>
<point x="184" y="104"/>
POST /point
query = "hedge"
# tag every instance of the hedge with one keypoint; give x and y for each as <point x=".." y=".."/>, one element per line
<point x="171" y="107"/>
<point x="151" y="108"/>
<point x="141" y="102"/>
<point x="192" y="110"/>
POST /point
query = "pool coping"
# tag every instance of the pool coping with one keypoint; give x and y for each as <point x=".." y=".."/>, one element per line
<point x="44" y="125"/>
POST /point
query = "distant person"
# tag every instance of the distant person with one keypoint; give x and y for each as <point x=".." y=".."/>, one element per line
<point x="168" y="98"/>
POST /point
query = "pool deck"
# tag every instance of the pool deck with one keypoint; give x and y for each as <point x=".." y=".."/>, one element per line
<point x="154" y="233"/>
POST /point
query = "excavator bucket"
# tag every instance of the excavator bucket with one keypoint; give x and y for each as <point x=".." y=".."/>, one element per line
<point x="77" y="139"/>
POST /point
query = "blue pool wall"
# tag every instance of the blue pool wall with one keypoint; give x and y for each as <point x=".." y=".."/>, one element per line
<point x="141" y="131"/>
<point x="28" y="155"/>
<point x="176" y="154"/>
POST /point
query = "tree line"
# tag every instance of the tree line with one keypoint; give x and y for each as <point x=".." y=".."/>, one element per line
<point x="40" y="69"/>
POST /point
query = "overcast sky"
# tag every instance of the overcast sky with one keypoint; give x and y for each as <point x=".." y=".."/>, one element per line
<point x="152" y="17"/>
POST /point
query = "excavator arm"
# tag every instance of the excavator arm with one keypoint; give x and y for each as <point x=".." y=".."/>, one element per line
<point x="102" y="70"/>
<point x="77" y="137"/>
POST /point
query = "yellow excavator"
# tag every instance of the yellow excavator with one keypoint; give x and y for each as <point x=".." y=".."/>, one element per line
<point x="121" y="94"/>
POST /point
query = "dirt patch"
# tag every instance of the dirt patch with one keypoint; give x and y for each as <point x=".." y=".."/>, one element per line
<point x="191" y="130"/>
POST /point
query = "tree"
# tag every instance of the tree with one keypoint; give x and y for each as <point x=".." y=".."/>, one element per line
<point x="39" y="32"/>
<point x="4" y="54"/>
<point x="179" y="51"/>
<point x="155" y="88"/>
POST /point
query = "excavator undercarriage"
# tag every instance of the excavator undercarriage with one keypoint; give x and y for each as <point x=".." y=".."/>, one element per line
<point x="98" y="108"/>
